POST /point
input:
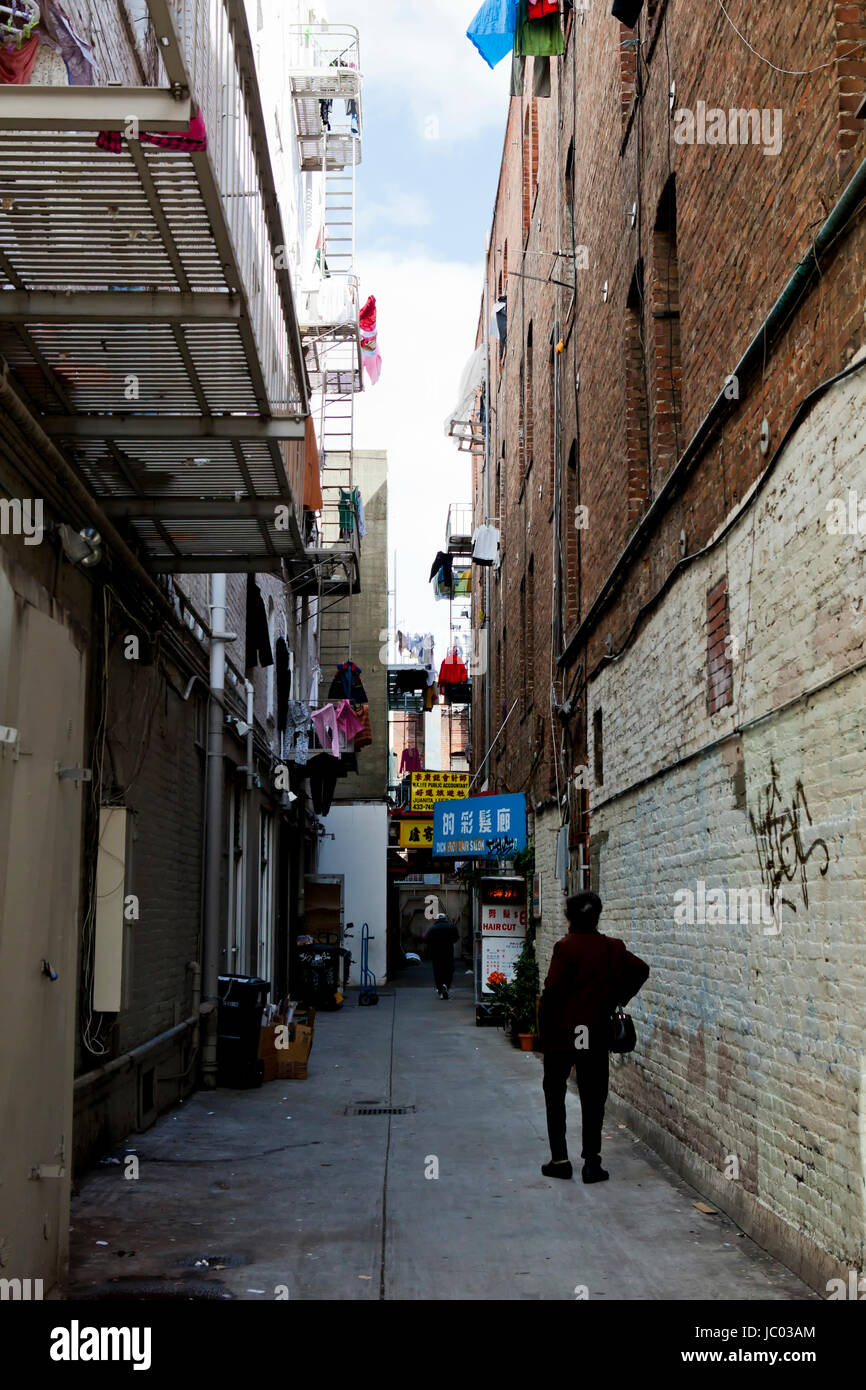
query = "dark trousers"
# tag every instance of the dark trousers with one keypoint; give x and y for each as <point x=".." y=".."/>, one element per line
<point x="592" y="1070"/>
<point x="443" y="969"/>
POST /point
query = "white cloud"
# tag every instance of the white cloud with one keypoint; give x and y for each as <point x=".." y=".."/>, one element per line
<point x="427" y="321"/>
<point x="397" y="208"/>
<point x="417" y="51"/>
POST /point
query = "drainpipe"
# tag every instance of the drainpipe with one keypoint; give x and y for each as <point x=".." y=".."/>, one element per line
<point x="487" y="405"/>
<point x="214" y="825"/>
<point x="250" y="689"/>
<point x="777" y="319"/>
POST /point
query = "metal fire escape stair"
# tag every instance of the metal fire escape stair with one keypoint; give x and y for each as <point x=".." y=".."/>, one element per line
<point x="325" y="77"/>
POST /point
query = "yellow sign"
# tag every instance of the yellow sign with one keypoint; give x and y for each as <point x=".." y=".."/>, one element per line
<point x="430" y="787"/>
<point x="416" y="834"/>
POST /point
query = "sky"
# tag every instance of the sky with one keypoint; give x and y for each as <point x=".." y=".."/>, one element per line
<point x="434" y="123"/>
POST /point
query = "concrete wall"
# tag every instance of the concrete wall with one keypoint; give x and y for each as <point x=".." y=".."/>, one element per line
<point x="359" y="852"/>
<point x="369" y="611"/>
<point x="752" y="1034"/>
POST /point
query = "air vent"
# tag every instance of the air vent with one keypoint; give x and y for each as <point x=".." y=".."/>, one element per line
<point x="379" y="1110"/>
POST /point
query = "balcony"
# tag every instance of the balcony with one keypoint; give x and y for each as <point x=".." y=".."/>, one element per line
<point x="325" y="72"/>
<point x="145" y="308"/>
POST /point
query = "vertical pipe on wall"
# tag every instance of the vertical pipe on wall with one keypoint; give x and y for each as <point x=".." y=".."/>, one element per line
<point x="487" y="412"/>
<point x="214" y="829"/>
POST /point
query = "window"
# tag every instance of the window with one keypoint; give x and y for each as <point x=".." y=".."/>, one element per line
<point x="598" y="747"/>
<point x="720" y="671"/>
<point x="530" y="163"/>
<point x="566" y="269"/>
<point x="628" y="49"/>
<point x="666" y="332"/>
<point x="637" y="436"/>
<point x="850" y="78"/>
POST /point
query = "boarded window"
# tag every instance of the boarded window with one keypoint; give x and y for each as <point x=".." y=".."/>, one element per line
<point x="720" y="671"/>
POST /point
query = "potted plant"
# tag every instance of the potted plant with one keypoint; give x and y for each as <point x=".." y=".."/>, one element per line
<point x="518" y="997"/>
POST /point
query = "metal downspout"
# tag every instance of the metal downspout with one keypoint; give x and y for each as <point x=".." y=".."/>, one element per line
<point x="214" y="828"/>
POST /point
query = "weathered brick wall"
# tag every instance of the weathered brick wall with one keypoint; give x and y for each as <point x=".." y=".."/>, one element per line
<point x="752" y="1033"/>
<point x="688" y="267"/>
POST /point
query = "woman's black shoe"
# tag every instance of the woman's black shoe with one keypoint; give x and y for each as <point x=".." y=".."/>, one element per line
<point x="556" y="1170"/>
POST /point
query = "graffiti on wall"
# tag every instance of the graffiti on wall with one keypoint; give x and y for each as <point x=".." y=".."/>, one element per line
<point x="779" y="829"/>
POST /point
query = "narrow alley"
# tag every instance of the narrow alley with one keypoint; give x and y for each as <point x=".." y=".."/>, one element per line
<point x="289" y="1192"/>
<point x="432" y="678"/>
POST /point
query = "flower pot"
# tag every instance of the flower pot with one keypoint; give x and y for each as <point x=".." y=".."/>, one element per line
<point x="527" y="1042"/>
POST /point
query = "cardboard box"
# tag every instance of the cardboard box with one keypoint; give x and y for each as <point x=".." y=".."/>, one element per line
<point x="291" y="1061"/>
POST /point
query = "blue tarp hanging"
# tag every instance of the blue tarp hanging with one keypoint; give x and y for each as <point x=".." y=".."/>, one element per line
<point x="493" y="28"/>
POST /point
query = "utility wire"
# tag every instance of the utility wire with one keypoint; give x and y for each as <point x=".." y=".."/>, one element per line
<point x="788" y="72"/>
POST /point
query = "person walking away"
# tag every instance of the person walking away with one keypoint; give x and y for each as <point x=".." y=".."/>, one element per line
<point x="590" y="974"/>
<point x="440" y="937"/>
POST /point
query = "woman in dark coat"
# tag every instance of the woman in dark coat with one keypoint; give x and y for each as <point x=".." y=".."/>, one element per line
<point x="590" y="974"/>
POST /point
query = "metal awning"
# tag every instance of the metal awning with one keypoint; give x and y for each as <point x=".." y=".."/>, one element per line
<point x="143" y="309"/>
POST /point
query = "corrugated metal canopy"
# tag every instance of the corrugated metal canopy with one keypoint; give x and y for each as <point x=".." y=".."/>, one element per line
<point x="121" y="294"/>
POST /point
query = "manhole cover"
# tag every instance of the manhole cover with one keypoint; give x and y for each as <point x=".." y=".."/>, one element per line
<point x="379" y="1110"/>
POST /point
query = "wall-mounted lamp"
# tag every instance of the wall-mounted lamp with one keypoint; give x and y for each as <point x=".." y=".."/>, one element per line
<point x="83" y="547"/>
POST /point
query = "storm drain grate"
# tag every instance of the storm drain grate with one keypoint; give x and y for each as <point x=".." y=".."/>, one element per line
<point x="379" y="1110"/>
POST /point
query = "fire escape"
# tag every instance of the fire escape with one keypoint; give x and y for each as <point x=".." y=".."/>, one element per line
<point x="326" y="86"/>
<point x="144" y="313"/>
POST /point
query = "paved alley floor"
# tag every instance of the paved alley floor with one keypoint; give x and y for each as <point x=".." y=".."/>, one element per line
<point x="281" y="1189"/>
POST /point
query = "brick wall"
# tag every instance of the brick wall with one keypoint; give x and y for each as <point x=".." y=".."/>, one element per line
<point x="680" y="251"/>
<point x="752" y="1032"/>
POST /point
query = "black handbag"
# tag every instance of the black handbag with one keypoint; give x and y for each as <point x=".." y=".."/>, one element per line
<point x="623" y="1037"/>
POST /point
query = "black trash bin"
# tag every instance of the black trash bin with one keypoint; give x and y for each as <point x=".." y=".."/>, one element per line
<point x="242" y="999"/>
<point x="321" y="974"/>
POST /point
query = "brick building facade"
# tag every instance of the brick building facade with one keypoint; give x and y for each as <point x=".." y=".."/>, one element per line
<point x="675" y="634"/>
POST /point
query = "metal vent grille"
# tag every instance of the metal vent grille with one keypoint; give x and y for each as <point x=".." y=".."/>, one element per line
<point x="379" y="1110"/>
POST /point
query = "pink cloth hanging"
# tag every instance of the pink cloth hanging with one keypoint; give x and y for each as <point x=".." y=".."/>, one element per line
<point x="327" y="729"/>
<point x="348" y="720"/>
<point x="370" y="355"/>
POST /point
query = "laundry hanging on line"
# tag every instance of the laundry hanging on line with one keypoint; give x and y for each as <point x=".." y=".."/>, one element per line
<point x="453" y="671"/>
<point x="485" y="546"/>
<point x="410" y="761"/>
<point x="258" y="638"/>
<point x="347" y="685"/>
<point x="193" y="139"/>
<point x="444" y="566"/>
<point x="284" y="682"/>
<point x="492" y="30"/>
<point x="370" y="355"/>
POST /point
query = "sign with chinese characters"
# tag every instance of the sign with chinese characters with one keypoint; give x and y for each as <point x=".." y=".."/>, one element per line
<point x="429" y="787"/>
<point x="502" y="919"/>
<point x="482" y="827"/>
<point x="416" y="834"/>
<point x="499" y="953"/>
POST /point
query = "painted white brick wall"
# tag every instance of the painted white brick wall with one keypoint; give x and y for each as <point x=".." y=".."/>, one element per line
<point x="752" y="1043"/>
